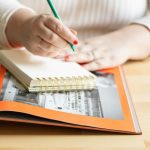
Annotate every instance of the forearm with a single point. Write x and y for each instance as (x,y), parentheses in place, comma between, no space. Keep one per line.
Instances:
(7,9)
(139,36)
(15,24)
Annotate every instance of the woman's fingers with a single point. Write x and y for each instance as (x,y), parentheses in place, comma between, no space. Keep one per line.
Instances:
(43,48)
(73,31)
(98,65)
(51,37)
(79,58)
(92,66)
(84,57)
(83,48)
(47,46)
(46,35)
(107,61)
(101,63)
(97,59)
(56,26)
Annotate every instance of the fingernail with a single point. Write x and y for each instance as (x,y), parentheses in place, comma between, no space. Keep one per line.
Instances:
(75,42)
(67,57)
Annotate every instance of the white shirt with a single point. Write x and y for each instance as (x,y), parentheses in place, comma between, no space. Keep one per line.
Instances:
(89,17)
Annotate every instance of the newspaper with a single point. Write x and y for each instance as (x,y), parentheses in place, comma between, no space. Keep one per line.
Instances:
(83,102)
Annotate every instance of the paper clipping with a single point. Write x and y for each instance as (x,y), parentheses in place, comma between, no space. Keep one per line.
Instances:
(103,101)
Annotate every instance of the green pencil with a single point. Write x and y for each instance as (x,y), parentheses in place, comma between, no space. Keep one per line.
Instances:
(58,17)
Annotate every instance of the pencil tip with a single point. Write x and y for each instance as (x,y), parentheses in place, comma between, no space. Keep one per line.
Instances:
(73,47)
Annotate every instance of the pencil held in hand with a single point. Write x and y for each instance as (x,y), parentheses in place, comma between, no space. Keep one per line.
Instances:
(74,41)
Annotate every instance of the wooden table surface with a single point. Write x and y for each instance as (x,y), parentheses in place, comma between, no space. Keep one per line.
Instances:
(23,136)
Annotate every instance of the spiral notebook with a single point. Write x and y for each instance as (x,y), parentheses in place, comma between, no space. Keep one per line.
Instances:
(40,74)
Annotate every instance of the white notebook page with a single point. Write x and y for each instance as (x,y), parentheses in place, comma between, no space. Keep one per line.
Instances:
(42,67)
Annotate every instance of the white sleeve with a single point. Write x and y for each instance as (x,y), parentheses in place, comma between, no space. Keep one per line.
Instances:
(145,21)
(7,8)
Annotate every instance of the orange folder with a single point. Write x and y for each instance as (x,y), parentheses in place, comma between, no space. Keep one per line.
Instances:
(21,112)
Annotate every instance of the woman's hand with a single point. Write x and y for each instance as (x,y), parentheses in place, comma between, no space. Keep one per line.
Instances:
(42,35)
(110,50)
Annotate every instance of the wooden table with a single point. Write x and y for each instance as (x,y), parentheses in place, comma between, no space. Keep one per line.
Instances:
(21,136)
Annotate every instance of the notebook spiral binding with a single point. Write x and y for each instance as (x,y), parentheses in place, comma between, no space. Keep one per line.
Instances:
(63,84)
